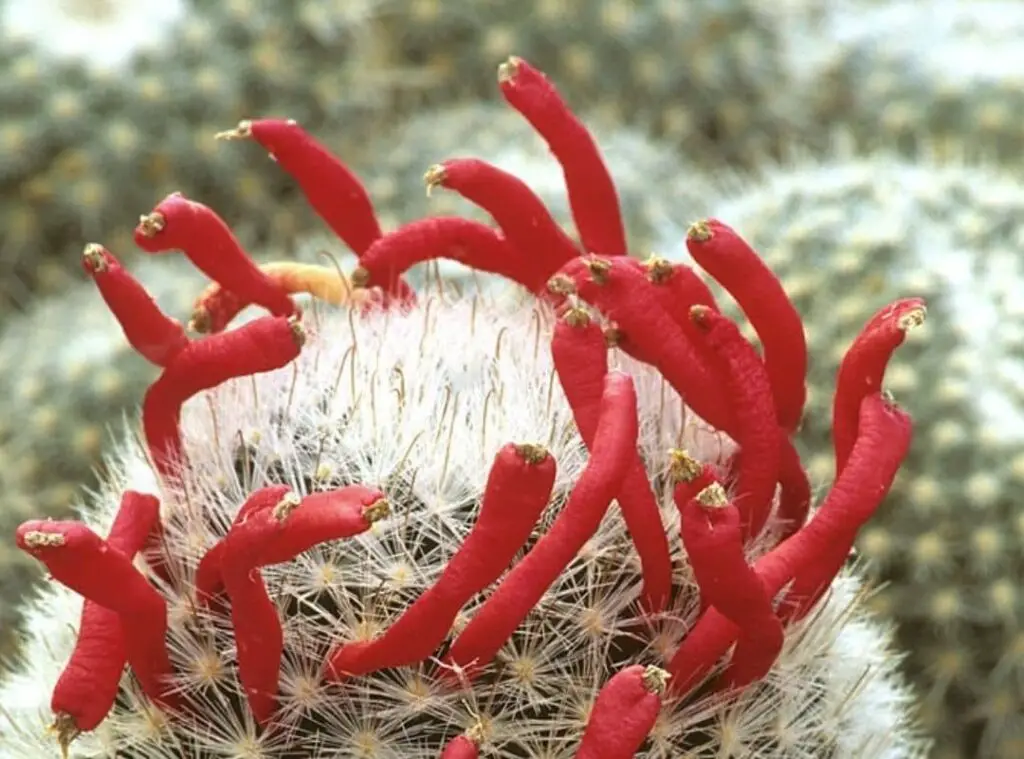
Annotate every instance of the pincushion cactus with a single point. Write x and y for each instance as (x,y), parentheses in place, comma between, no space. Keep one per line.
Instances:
(326,542)
(68,387)
(842,234)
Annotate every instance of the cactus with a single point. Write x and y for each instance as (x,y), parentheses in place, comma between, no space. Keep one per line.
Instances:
(386,462)
(433,488)
(921,76)
(69,386)
(845,235)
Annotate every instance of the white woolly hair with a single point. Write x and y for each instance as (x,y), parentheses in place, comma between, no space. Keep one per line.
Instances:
(419,404)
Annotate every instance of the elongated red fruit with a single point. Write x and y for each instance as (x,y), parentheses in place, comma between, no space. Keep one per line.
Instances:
(817,551)
(863,367)
(525,221)
(794,490)
(649,333)
(334,192)
(816,554)
(713,537)
(260,346)
(177,223)
(592,195)
(208,581)
(623,714)
(581,362)
(469,242)
(494,622)
(87,687)
(259,638)
(154,335)
(518,489)
(727,257)
(757,430)
(81,560)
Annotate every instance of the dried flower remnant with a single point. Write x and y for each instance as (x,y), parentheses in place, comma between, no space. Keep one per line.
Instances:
(337,570)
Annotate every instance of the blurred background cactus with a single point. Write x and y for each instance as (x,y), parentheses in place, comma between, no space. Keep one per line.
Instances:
(927,94)
(932,77)
(85,148)
(702,75)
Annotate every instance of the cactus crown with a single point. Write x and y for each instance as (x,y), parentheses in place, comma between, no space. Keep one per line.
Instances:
(432,527)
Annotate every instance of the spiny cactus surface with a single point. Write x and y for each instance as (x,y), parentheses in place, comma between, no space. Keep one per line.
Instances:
(432,451)
(948,544)
(391,531)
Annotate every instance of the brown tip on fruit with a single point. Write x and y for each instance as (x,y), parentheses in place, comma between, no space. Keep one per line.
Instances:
(377,510)
(561,284)
(40,539)
(532,453)
(298,331)
(200,321)
(598,268)
(151,224)
(655,680)
(683,467)
(241,132)
(509,70)
(913,318)
(576,316)
(699,231)
(360,277)
(67,731)
(713,497)
(94,259)
(435,176)
(658,269)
